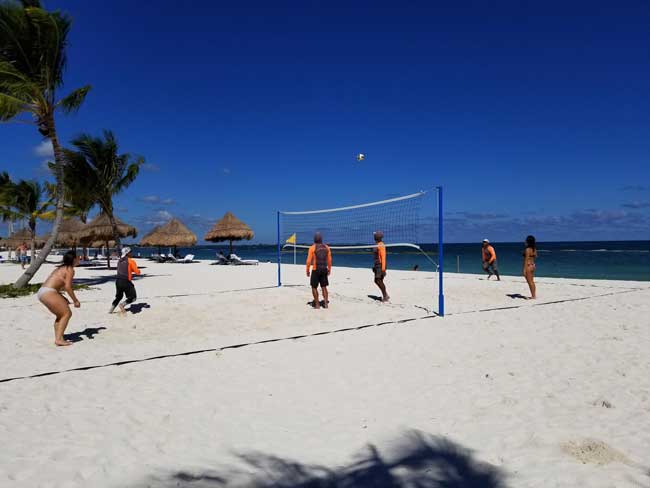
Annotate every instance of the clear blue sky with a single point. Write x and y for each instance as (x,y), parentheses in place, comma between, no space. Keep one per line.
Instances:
(535,116)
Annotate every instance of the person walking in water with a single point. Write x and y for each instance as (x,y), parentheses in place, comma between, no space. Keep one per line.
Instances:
(50,295)
(530,254)
(319,259)
(489,257)
(124,282)
(379,266)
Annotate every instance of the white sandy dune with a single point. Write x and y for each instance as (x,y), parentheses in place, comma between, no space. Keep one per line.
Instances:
(501,392)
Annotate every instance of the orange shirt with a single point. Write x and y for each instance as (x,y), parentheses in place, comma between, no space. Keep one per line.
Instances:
(311,257)
(489,254)
(380,254)
(133,268)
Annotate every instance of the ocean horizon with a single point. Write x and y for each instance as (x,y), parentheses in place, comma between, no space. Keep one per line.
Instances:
(611,260)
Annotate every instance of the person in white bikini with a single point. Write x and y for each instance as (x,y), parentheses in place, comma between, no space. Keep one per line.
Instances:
(50,295)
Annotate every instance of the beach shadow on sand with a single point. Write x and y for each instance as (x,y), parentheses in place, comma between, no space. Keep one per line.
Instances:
(516,295)
(88,333)
(416,460)
(137,307)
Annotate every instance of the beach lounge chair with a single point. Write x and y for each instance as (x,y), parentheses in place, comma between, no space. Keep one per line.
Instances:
(234,259)
(221,259)
(171,258)
(189,258)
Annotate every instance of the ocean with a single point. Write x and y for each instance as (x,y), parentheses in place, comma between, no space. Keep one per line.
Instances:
(612,260)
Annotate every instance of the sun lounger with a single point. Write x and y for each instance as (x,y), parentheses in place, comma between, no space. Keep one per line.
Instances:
(236,260)
(189,258)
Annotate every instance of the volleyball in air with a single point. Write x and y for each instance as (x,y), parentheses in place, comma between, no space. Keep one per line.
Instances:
(361,157)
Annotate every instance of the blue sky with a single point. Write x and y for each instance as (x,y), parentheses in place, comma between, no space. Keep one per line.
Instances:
(533,115)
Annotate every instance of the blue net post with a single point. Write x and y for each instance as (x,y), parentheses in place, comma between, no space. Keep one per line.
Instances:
(279,251)
(441,295)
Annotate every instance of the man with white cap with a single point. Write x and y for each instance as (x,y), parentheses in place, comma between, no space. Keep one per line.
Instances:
(124,283)
(489,257)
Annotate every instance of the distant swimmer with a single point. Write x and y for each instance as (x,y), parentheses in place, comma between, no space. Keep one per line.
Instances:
(124,282)
(50,295)
(319,259)
(489,257)
(530,253)
(379,265)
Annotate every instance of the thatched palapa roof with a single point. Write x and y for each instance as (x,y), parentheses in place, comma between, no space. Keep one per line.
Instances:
(229,228)
(70,232)
(173,233)
(100,229)
(18,237)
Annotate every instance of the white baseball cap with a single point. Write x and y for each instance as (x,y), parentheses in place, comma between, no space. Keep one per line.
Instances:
(125,251)
(485,240)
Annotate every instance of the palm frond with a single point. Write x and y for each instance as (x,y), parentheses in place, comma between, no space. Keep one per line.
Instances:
(73,100)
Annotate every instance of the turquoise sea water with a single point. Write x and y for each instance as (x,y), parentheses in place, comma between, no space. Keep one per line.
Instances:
(614,260)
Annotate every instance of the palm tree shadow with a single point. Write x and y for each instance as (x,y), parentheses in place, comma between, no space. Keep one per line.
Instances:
(419,460)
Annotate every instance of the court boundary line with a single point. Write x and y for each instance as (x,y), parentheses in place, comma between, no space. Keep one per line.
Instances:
(302,336)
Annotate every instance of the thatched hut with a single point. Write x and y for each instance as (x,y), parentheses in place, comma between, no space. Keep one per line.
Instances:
(17,238)
(172,234)
(70,233)
(229,228)
(100,229)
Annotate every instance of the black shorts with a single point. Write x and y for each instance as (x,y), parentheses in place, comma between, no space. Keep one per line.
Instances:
(319,277)
(379,274)
(493,265)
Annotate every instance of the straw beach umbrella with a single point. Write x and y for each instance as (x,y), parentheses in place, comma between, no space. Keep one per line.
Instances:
(70,233)
(229,228)
(173,234)
(100,229)
(18,237)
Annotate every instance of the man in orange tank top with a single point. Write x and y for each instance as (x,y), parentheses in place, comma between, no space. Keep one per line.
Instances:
(379,266)
(319,259)
(489,258)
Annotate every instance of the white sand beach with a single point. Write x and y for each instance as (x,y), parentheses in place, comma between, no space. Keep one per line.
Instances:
(501,392)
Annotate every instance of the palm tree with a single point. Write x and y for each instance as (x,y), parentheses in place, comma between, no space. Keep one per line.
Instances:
(27,203)
(96,166)
(6,185)
(32,60)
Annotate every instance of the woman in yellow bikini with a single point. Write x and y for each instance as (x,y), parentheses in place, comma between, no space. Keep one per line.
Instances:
(530,253)
(50,295)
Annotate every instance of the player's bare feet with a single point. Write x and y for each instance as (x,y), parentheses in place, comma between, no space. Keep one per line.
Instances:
(122,309)
(62,342)
(385,299)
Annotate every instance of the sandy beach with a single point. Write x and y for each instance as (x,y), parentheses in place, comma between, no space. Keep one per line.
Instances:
(219,378)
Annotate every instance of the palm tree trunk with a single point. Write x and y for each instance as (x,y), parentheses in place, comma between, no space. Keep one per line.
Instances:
(58,174)
(108,255)
(116,235)
(32,231)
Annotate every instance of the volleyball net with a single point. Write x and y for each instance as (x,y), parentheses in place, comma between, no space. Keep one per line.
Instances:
(410,223)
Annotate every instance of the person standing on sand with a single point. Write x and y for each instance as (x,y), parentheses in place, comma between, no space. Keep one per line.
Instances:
(489,258)
(379,266)
(319,258)
(530,253)
(50,295)
(124,282)
(21,254)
